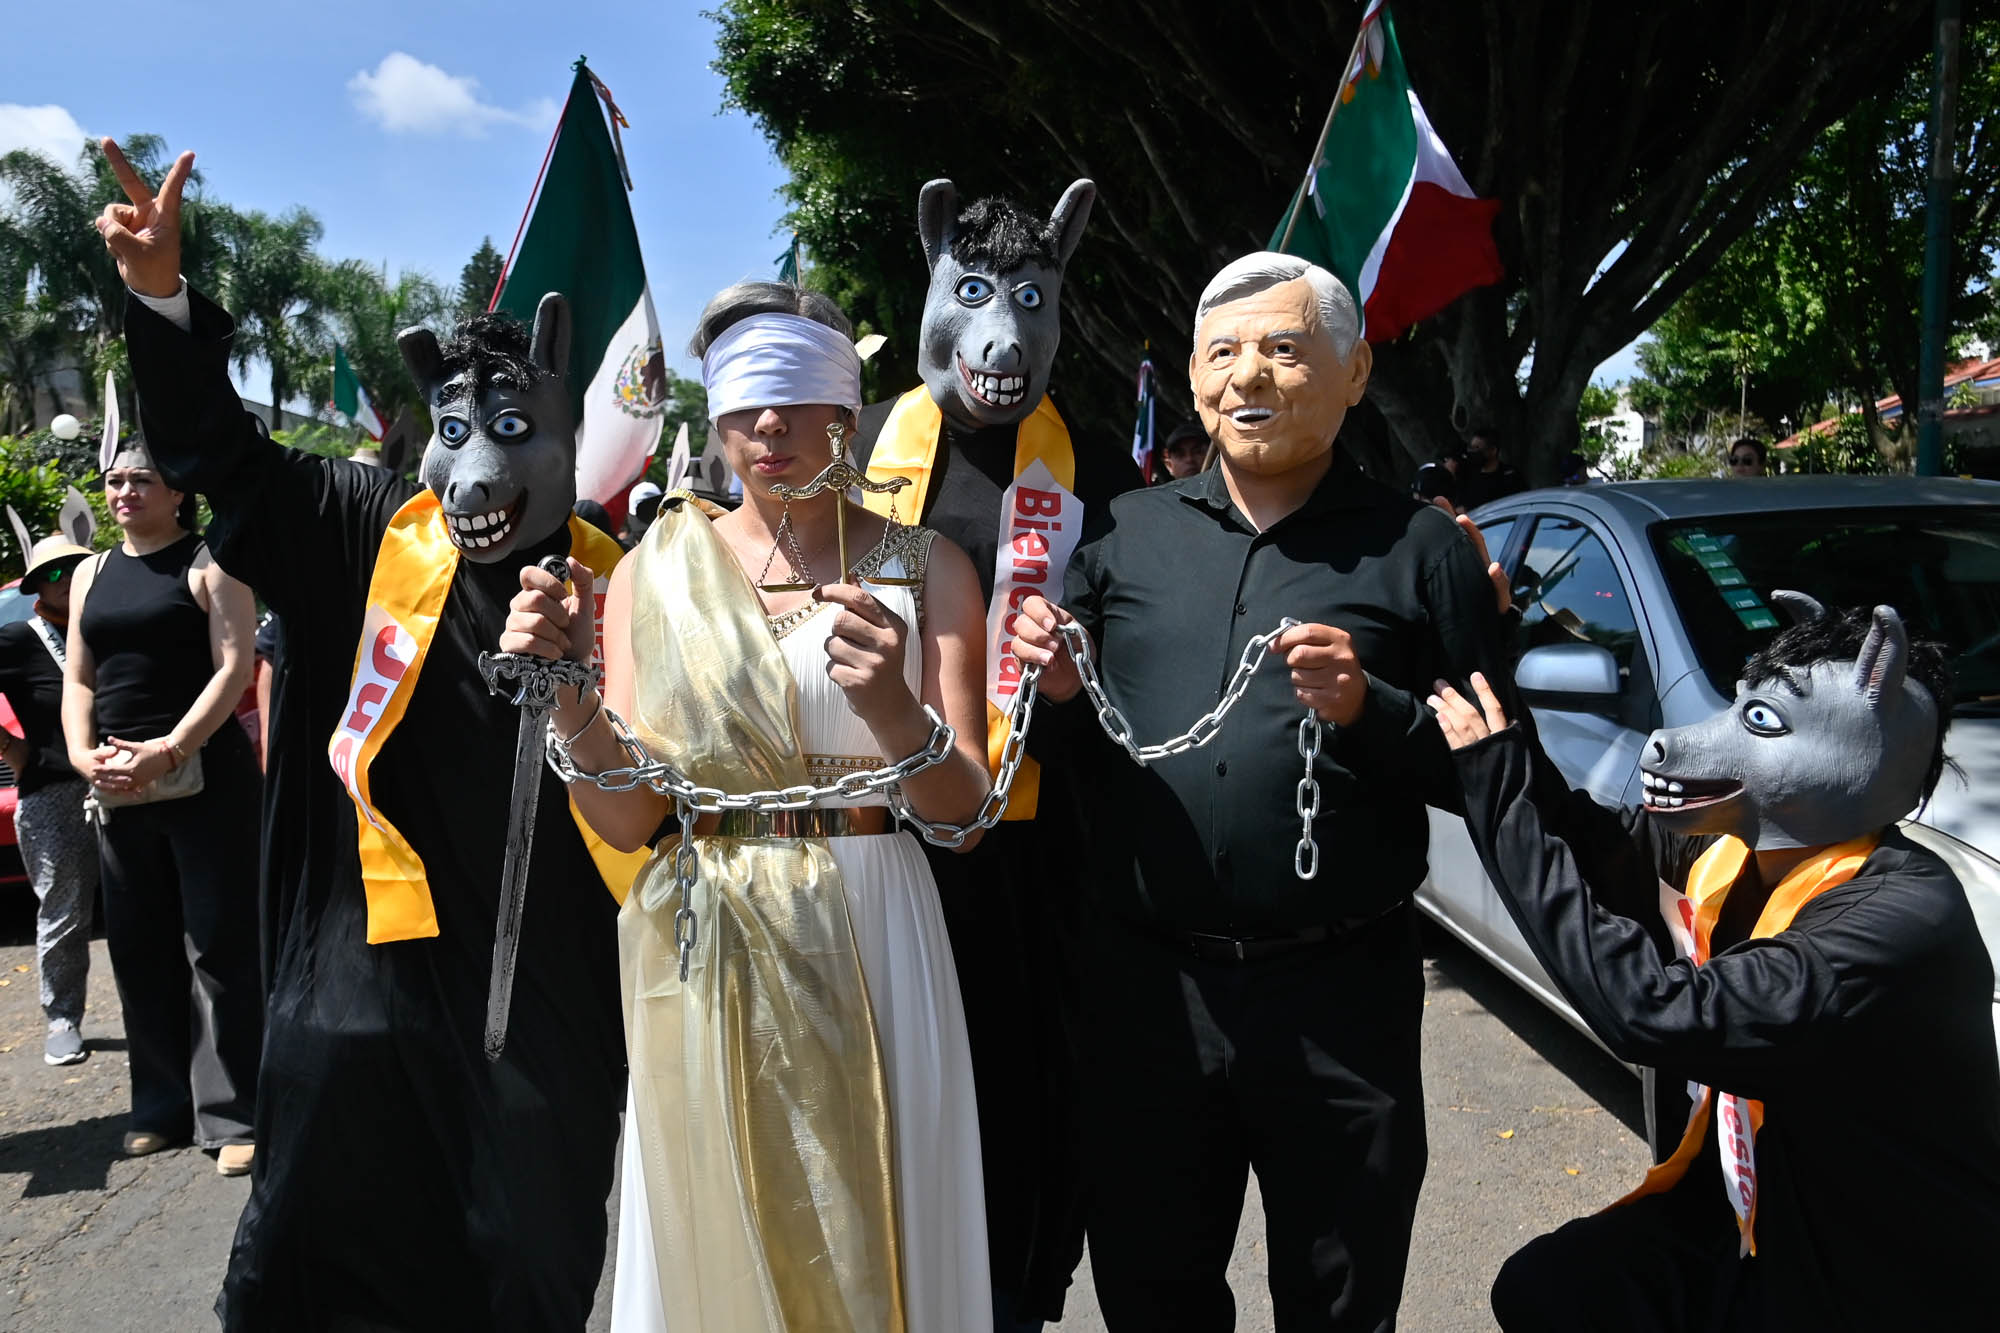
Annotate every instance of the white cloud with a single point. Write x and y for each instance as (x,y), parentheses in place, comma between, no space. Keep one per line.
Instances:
(49,130)
(404,95)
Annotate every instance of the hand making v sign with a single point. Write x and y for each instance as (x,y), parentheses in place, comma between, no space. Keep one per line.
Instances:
(144,236)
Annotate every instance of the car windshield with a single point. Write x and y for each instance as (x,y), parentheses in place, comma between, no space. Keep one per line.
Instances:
(1939,567)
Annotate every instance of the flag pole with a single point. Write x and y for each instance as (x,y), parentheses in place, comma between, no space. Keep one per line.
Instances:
(1361,36)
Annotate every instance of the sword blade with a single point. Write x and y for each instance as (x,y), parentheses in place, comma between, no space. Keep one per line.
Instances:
(521,806)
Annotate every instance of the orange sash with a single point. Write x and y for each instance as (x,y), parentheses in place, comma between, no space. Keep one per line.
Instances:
(907,447)
(406,597)
(1740,1118)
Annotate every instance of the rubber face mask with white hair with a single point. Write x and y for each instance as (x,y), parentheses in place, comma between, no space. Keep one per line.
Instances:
(1271,380)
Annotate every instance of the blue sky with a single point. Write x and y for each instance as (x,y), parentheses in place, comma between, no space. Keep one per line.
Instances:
(415,129)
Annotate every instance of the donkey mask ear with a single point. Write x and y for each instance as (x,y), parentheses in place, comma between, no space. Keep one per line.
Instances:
(1066,223)
(550,340)
(1797,606)
(424,359)
(937,218)
(1885,654)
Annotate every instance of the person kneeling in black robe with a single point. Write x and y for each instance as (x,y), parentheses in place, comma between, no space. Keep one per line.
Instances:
(1830,1007)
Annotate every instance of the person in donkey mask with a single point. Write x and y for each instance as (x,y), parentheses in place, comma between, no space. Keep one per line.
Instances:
(1761,931)
(405,1180)
(993,467)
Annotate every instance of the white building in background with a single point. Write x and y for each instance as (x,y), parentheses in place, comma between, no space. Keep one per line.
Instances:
(1624,431)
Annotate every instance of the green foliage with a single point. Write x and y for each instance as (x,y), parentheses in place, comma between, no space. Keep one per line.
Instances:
(478,279)
(1819,300)
(1847,449)
(687,402)
(1593,439)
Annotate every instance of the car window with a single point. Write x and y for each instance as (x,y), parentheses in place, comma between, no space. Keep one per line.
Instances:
(1938,566)
(1569,591)
(1497,532)
(15,605)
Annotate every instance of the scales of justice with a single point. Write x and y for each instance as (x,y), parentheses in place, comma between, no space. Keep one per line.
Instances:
(838,476)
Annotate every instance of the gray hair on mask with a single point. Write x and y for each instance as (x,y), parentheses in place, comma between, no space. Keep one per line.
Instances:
(1254,273)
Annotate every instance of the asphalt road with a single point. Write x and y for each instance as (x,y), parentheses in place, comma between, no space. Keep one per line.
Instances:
(1529,1125)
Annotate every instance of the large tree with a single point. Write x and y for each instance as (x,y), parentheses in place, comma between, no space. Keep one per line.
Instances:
(1630,148)
(479,279)
(1821,300)
(279,289)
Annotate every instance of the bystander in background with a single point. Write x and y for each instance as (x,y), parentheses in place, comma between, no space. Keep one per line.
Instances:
(57,848)
(160,650)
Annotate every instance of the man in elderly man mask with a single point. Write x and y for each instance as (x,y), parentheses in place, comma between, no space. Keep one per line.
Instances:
(1236,1014)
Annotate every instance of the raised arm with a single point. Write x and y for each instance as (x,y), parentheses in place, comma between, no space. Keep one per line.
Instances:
(280,515)
(1747,1019)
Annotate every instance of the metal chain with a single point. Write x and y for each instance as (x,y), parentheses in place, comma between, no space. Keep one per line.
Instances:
(1119,729)
(1305,857)
(664,778)
(691,798)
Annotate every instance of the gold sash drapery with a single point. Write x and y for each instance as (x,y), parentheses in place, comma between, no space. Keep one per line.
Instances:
(761,1103)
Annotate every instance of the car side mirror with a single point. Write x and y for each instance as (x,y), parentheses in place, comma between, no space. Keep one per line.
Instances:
(1576,676)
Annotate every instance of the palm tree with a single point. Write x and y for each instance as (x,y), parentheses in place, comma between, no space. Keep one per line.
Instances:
(62,295)
(369,311)
(278,289)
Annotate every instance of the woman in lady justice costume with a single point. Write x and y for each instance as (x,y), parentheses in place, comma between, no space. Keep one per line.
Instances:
(802,1145)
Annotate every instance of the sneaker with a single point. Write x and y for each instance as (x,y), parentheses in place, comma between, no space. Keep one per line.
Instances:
(64,1045)
(233,1159)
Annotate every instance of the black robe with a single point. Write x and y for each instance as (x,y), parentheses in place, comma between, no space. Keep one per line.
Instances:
(1866,1029)
(1011,906)
(400,1178)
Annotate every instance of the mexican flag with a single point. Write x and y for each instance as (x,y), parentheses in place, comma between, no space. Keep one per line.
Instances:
(350,398)
(1142,424)
(1384,206)
(581,242)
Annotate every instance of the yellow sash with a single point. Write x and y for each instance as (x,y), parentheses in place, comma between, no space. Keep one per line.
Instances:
(406,597)
(907,447)
(1708,885)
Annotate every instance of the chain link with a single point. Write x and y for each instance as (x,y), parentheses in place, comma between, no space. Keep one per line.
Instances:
(691,798)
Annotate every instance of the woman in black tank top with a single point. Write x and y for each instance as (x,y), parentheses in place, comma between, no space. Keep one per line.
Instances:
(160,653)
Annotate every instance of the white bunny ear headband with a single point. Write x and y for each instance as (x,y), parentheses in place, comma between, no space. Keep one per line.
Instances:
(108,448)
(75,520)
(21,536)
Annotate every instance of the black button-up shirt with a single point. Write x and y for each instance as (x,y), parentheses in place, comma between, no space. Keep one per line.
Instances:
(1172,583)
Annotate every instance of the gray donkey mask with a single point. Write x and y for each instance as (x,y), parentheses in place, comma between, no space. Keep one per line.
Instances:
(1807,755)
(502,456)
(992,315)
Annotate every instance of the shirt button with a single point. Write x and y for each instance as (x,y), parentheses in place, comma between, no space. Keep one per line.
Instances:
(1222,768)
(1242,610)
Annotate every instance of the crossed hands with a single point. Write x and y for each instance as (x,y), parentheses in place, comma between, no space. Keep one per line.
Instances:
(144,234)
(123,766)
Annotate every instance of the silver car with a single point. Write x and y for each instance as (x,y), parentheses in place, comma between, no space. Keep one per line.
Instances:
(1640,602)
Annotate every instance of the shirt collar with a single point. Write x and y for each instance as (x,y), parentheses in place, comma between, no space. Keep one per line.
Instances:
(1343,487)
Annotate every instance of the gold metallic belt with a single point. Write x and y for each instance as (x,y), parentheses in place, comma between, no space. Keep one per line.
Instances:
(815,822)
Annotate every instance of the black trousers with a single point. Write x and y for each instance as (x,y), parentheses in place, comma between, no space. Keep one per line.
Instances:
(180,916)
(1303,1067)
(1667,1263)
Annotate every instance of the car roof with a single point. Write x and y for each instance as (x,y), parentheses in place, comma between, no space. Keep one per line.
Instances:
(1641,503)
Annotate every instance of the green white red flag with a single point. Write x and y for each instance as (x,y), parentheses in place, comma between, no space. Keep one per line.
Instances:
(1384,206)
(351,399)
(581,241)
